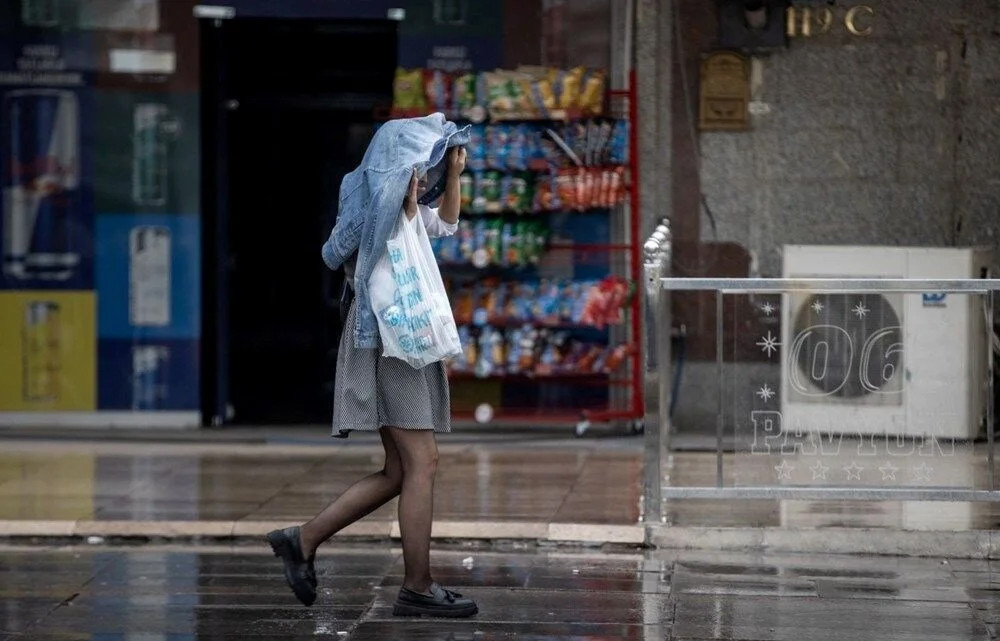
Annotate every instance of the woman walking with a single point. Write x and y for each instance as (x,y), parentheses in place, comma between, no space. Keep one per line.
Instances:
(410,162)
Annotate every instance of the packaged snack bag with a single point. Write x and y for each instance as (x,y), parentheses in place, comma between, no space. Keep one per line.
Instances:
(465,182)
(493,242)
(516,196)
(618,185)
(489,191)
(590,356)
(569,97)
(605,195)
(592,95)
(566,188)
(619,143)
(514,348)
(437,89)
(467,360)
(468,235)
(519,90)
(529,350)
(498,346)
(501,93)
(589,188)
(543,97)
(408,91)
(464,93)
(449,248)
(497,304)
(462,305)
(567,299)
(478,198)
(535,243)
(476,151)
(602,357)
(580,296)
(508,250)
(496,146)
(534,152)
(574,354)
(616,358)
(517,148)
(485,365)
(604,144)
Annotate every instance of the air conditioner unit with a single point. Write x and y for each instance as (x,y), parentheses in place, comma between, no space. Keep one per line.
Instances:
(868,363)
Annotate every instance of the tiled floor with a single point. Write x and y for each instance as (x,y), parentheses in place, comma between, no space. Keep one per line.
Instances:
(185,593)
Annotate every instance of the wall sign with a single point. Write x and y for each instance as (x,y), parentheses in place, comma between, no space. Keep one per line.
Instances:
(808,21)
(725,92)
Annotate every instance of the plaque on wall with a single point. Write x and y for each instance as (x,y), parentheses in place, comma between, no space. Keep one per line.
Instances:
(725,92)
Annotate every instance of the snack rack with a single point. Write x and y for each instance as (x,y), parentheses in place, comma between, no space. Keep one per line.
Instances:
(576,397)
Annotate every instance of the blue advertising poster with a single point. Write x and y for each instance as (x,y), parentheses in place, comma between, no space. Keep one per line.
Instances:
(148,281)
(147,375)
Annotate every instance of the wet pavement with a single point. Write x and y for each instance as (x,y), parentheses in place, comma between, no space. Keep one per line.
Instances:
(524,592)
(524,486)
(513,489)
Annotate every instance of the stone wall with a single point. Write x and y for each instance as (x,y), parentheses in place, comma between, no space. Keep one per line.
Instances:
(888,139)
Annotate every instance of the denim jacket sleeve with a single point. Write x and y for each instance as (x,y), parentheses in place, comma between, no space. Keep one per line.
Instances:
(346,235)
(343,241)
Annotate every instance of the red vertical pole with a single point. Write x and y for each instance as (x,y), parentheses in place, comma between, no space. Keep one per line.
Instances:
(639,402)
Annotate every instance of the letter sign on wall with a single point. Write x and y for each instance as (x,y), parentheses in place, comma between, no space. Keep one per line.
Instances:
(809,21)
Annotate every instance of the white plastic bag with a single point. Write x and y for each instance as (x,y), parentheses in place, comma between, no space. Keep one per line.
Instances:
(409,299)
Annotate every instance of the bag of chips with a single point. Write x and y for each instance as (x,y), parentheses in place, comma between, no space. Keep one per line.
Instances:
(408,91)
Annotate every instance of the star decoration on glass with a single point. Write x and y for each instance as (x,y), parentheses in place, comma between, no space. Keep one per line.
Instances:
(784,470)
(922,472)
(860,310)
(888,471)
(768,309)
(817,306)
(853,471)
(765,393)
(819,471)
(768,344)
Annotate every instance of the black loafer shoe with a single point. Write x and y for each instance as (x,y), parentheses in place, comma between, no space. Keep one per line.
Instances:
(299,571)
(439,603)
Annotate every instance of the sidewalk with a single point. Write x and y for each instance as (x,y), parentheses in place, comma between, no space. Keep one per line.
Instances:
(194,592)
(542,488)
(534,486)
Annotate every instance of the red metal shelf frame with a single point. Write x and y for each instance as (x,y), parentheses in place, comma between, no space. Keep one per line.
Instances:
(636,411)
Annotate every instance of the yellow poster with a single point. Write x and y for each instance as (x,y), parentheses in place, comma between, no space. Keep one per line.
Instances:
(48,345)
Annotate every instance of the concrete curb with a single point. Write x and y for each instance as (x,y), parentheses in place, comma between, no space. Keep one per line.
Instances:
(971,544)
(561,532)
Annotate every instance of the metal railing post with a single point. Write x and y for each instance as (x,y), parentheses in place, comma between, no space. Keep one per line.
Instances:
(657,252)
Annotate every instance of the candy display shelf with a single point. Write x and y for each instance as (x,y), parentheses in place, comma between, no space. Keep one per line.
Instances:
(592,239)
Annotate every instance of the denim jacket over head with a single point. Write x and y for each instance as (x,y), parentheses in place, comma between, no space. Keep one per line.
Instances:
(371,200)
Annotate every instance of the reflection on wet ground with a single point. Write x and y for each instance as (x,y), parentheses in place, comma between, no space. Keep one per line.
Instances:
(546,482)
(181,593)
(167,482)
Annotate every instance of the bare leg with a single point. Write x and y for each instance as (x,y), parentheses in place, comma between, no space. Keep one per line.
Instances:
(359,500)
(418,454)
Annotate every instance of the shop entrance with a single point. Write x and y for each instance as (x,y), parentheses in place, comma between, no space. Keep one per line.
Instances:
(288,109)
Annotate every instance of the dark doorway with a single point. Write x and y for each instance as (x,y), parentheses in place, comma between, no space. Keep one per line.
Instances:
(288,108)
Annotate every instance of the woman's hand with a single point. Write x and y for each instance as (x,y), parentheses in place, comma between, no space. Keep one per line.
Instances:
(456,162)
(410,202)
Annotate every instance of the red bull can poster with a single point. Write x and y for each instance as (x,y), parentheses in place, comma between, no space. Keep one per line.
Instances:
(46,212)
